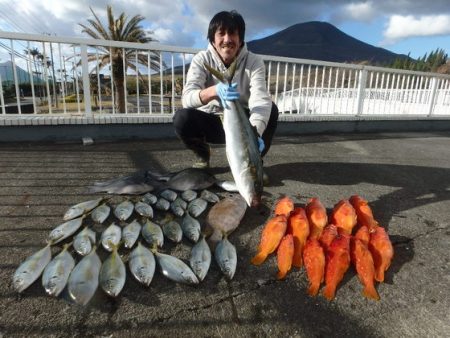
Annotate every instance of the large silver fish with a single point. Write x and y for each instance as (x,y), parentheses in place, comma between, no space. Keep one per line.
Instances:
(142,264)
(56,273)
(83,280)
(226,257)
(81,208)
(31,269)
(131,233)
(64,230)
(241,146)
(175,269)
(84,241)
(200,258)
(112,274)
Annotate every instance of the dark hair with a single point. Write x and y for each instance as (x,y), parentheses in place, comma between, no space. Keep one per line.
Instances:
(229,21)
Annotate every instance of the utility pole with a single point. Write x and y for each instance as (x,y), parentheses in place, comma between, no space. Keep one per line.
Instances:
(55,95)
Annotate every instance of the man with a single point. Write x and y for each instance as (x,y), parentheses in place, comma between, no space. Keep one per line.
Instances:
(204,97)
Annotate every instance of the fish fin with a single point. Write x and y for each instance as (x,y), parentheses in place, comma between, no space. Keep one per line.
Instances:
(379,275)
(329,293)
(259,258)
(281,275)
(313,290)
(66,246)
(215,72)
(371,293)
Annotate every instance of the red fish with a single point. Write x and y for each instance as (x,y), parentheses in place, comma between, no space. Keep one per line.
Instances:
(284,206)
(363,263)
(337,263)
(382,252)
(363,212)
(363,234)
(285,253)
(314,260)
(317,216)
(344,216)
(329,233)
(271,236)
(298,226)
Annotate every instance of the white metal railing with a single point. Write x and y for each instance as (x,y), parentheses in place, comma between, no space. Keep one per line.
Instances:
(54,76)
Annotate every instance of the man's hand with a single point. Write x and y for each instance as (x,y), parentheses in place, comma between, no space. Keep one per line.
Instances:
(227,93)
(261,144)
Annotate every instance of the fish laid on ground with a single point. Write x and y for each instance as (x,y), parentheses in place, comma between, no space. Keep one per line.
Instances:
(189,195)
(317,217)
(149,198)
(175,269)
(56,273)
(200,258)
(178,206)
(241,146)
(172,230)
(298,226)
(162,204)
(363,234)
(142,264)
(363,262)
(31,269)
(84,241)
(144,209)
(337,263)
(65,230)
(130,234)
(112,274)
(328,235)
(209,196)
(124,210)
(191,228)
(314,261)
(271,236)
(135,184)
(197,206)
(226,257)
(224,217)
(190,179)
(153,234)
(83,280)
(81,208)
(284,206)
(111,236)
(363,212)
(344,216)
(285,253)
(382,252)
(101,213)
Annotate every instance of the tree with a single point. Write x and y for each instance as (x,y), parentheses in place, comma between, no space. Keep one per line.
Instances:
(120,30)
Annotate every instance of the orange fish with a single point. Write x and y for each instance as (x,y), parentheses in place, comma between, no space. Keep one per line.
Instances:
(298,226)
(285,253)
(363,263)
(363,234)
(329,233)
(363,212)
(314,260)
(317,216)
(284,206)
(344,216)
(337,263)
(271,236)
(382,252)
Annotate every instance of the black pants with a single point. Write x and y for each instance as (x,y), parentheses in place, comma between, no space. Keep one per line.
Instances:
(196,128)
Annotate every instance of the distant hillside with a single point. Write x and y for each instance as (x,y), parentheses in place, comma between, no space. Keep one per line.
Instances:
(320,41)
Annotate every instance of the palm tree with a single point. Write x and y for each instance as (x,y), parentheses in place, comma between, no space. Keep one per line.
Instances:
(120,30)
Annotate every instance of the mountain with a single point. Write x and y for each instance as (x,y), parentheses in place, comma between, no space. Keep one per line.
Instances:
(317,40)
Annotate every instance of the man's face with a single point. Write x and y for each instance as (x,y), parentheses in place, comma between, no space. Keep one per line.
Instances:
(227,45)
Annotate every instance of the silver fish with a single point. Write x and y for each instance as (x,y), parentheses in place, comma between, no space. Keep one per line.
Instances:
(153,234)
(56,273)
(131,233)
(209,196)
(175,269)
(162,204)
(83,241)
(142,264)
(200,258)
(134,184)
(65,230)
(191,227)
(189,195)
(149,198)
(101,213)
(178,206)
(241,146)
(172,230)
(168,194)
(144,209)
(226,257)
(111,236)
(81,208)
(112,274)
(197,206)
(83,280)
(124,210)
(31,269)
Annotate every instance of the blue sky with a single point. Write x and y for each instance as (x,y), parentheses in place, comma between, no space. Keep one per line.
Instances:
(401,26)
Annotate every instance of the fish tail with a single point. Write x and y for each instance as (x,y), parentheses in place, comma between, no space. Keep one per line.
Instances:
(259,258)
(379,275)
(329,292)
(297,260)
(281,274)
(371,293)
(313,289)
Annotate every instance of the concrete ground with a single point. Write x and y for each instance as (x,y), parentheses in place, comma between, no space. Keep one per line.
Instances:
(404,176)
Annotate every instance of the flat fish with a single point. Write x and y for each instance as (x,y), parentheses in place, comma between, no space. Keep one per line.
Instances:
(200,258)
(131,233)
(162,204)
(142,264)
(178,206)
(134,184)
(111,236)
(175,269)
(153,234)
(31,269)
(197,206)
(112,274)
(124,210)
(144,209)
(169,195)
(189,195)
(81,208)
(84,241)
(56,273)
(101,213)
(65,230)
(172,230)
(209,196)
(191,227)
(83,280)
(190,179)
(149,198)
(226,257)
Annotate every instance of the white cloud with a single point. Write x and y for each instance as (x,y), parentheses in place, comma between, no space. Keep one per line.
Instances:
(364,11)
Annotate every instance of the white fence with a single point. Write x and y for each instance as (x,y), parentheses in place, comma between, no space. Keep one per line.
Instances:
(54,76)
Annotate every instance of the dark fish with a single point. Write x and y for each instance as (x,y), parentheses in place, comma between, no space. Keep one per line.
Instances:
(134,184)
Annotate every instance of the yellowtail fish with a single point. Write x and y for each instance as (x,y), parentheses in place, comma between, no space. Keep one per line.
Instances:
(112,273)
(56,273)
(175,269)
(142,264)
